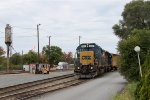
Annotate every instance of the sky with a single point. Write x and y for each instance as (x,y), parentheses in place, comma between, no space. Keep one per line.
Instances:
(63,20)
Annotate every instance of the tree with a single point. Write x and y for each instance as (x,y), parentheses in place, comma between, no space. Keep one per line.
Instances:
(67,57)
(43,58)
(133,30)
(30,57)
(2,52)
(128,57)
(55,54)
(136,15)
(143,88)
(16,59)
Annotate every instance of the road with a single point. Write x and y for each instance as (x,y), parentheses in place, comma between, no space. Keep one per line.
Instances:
(102,88)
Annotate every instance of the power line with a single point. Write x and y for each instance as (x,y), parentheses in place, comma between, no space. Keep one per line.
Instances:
(26,28)
(18,33)
(2,32)
(26,36)
(13,49)
(22,36)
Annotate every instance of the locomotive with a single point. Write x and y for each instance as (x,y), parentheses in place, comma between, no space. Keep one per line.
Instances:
(91,60)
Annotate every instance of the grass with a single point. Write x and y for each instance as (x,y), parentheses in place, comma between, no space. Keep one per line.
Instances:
(127,93)
(12,67)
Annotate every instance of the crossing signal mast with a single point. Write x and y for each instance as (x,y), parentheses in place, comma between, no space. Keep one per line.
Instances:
(8,41)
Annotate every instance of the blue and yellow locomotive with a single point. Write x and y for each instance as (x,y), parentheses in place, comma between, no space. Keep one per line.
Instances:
(91,60)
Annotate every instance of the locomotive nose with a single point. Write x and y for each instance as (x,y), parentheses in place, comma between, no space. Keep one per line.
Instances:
(87,58)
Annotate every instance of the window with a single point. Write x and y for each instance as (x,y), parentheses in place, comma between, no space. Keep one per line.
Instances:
(91,45)
(83,46)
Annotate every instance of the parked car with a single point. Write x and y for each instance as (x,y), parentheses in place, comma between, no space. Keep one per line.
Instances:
(62,65)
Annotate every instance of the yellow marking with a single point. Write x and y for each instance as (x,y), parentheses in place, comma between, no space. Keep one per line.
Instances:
(115,60)
(87,57)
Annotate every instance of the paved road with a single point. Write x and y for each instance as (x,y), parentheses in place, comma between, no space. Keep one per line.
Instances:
(103,88)
(14,79)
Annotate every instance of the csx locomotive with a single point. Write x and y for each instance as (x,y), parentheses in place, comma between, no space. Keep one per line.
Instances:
(91,60)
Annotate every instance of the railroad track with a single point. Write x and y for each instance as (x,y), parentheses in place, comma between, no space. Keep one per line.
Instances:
(31,89)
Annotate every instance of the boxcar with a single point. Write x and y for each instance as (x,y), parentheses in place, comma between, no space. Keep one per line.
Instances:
(114,61)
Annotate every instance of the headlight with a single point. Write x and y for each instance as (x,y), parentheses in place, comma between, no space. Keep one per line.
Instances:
(78,67)
(91,67)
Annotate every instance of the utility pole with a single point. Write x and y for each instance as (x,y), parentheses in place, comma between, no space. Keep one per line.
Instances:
(22,59)
(38,61)
(49,49)
(8,57)
(79,39)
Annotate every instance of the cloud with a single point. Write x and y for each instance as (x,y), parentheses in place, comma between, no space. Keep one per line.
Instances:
(64,20)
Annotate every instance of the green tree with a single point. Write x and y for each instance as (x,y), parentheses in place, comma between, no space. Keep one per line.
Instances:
(143,88)
(136,15)
(128,57)
(42,58)
(55,54)
(30,57)
(16,59)
(133,30)
(2,52)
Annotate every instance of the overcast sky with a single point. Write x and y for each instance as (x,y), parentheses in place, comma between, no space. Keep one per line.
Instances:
(63,20)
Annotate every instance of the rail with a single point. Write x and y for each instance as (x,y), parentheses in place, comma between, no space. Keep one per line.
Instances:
(30,89)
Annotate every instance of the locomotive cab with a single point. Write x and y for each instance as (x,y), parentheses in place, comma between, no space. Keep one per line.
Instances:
(86,62)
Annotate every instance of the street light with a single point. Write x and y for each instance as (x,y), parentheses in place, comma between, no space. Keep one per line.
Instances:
(137,49)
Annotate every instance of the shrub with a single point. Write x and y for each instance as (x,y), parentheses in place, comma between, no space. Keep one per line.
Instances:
(143,88)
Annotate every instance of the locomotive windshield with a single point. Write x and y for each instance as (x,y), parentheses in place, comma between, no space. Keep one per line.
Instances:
(86,47)
(91,45)
(83,46)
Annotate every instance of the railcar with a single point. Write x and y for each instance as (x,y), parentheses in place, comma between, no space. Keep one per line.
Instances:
(91,60)
(114,61)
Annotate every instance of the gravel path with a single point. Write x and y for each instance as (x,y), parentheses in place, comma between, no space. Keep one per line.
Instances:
(14,79)
(103,88)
